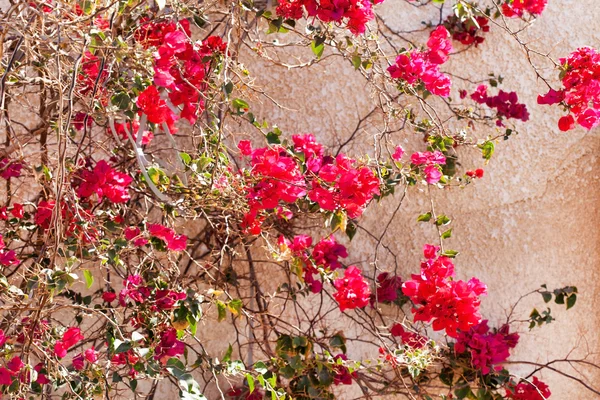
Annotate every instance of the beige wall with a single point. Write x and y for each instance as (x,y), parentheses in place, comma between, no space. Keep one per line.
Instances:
(533,219)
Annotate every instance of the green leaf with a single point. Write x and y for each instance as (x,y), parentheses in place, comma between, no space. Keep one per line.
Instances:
(222,310)
(121,100)
(185,157)
(89,279)
(487,149)
(442,220)
(227,355)
(240,105)
(116,377)
(250,380)
(123,347)
(154,175)
(450,253)
(547,296)
(356,61)
(424,217)
(447,234)
(463,392)
(339,342)
(571,300)
(228,87)
(351,229)
(235,306)
(316,48)
(261,368)
(273,138)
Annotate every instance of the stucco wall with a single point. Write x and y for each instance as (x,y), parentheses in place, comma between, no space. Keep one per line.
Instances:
(533,219)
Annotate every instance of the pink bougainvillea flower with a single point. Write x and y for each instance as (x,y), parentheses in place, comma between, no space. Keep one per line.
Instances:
(342,375)
(580,76)
(478,173)
(18,211)
(173,241)
(352,290)
(487,349)
(408,338)
(78,362)
(354,13)
(169,346)
(245,147)
(109,297)
(327,253)
(453,305)
(517,8)
(15,364)
(91,355)
(167,299)
(10,169)
(423,66)
(398,153)
(6,376)
(388,287)
(70,338)
(104,181)
(536,390)
(506,104)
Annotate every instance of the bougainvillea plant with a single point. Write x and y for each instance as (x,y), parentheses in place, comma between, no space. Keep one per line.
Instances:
(158,229)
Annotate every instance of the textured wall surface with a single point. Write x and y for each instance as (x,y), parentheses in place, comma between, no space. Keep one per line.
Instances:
(533,219)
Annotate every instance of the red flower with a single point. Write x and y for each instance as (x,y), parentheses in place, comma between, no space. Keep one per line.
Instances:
(169,346)
(109,297)
(344,186)
(5,376)
(18,211)
(388,287)
(487,349)
(10,169)
(516,8)
(70,338)
(172,240)
(478,173)
(398,153)
(245,147)
(155,108)
(166,299)
(352,290)
(536,390)
(581,93)
(15,364)
(342,374)
(355,13)
(566,123)
(78,363)
(452,304)
(327,253)
(408,338)
(104,181)
(423,66)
